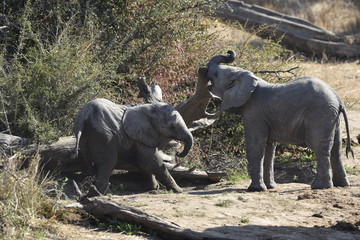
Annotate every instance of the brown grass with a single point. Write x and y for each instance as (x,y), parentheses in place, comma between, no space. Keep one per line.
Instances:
(339,16)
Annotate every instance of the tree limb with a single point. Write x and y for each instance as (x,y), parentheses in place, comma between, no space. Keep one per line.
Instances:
(277,71)
(105,208)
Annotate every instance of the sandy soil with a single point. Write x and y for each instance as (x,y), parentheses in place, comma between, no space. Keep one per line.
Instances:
(292,211)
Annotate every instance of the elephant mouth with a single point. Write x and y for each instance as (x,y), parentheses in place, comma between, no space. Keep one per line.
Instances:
(210,90)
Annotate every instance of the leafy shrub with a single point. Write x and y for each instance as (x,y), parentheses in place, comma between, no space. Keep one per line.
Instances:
(57,57)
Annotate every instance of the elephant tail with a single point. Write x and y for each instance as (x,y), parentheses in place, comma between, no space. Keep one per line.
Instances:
(75,152)
(78,129)
(348,141)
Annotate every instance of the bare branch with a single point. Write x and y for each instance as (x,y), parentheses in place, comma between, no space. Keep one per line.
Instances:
(277,71)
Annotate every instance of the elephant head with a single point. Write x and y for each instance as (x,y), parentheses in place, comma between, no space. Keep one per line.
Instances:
(233,85)
(156,124)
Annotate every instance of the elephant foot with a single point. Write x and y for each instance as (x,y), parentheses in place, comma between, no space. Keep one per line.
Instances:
(270,185)
(256,187)
(154,184)
(344,182)
(321,184)
(102,187)
(177,189)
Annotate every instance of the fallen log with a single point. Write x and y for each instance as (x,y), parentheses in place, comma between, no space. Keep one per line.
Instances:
(104,208)
(296,33)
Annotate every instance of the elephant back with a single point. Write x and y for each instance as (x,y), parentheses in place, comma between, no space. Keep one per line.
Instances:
(105,116)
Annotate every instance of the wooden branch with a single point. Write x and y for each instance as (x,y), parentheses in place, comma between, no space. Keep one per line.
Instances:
(104,209)
(296,33)
(194,108)
(277,71)
(149,93)
(11,142)
(178,171)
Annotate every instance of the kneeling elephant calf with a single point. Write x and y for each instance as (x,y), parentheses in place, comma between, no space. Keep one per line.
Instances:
(304,111)
(109,134)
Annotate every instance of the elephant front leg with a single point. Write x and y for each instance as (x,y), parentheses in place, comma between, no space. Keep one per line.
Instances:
(151,162)
(151,181)
(269,165)
(255,156)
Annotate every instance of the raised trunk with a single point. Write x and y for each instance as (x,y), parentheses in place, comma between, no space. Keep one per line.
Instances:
(222,59)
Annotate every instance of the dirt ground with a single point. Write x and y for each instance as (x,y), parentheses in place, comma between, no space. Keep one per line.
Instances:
(291,211)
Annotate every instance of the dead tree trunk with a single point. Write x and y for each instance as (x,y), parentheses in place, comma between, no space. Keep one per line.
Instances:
(192,110)
(296,33)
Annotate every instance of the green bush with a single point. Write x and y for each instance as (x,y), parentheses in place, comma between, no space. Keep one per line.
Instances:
(55,57)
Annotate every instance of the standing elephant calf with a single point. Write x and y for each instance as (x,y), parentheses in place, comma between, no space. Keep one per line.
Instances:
(304,111)
(109,134)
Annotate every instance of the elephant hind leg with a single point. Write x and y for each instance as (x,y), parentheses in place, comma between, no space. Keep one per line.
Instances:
(323,177)
(103,174)
(339,174)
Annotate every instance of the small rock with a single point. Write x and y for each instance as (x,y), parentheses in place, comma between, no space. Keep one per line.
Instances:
(336,205)
(318,215)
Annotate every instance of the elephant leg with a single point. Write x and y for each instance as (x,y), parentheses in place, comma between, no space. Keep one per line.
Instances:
(255,151)
(103,174)
(339,174)
(269,165)
(323,177)
(151,181)
(151,162)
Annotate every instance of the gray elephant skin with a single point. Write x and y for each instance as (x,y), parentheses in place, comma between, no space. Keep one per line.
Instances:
(109,134)
(305,111)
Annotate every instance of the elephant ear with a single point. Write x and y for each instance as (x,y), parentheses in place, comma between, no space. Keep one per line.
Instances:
(138,126)
(238,90)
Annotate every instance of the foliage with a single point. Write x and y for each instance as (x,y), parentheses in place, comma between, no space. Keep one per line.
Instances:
(54,57)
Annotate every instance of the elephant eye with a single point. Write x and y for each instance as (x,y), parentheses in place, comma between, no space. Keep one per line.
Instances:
(230,84)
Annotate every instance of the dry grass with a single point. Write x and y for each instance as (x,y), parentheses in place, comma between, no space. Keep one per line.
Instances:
(338,16)
(24,204)
(343,77)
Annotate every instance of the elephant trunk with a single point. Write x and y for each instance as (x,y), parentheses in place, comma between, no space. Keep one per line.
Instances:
(222,58)
(188,142)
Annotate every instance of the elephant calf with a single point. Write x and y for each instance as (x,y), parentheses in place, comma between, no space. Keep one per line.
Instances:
(304,111)
(109,134)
